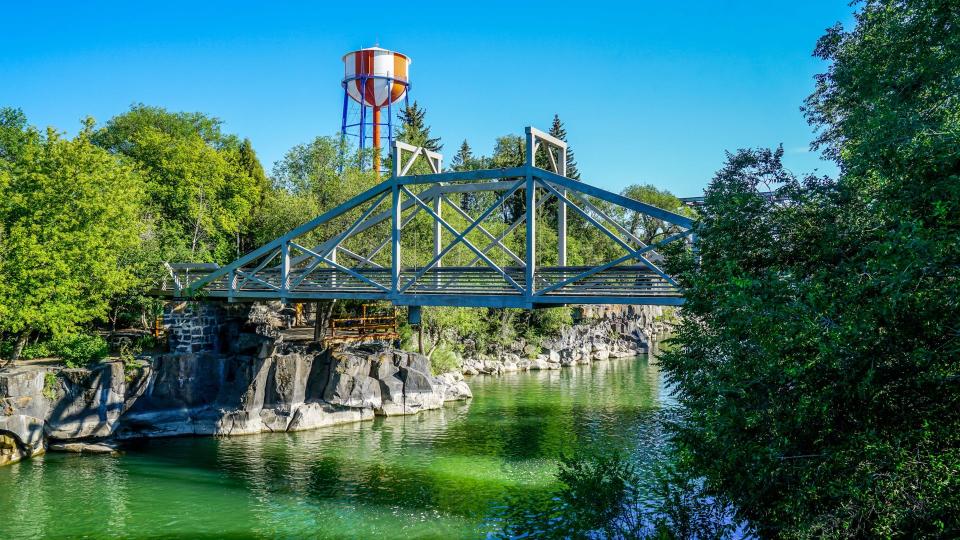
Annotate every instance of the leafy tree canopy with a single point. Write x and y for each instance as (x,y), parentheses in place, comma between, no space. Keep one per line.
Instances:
(69,211)
(818,357)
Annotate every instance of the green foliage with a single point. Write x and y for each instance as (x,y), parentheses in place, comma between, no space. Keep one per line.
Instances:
(414,129)
(40,349)
(599,497)
(202,186)
(549,321)
(69,212)
(50,385)
(596,498)
(313,178)
(444,360)
(560,132)
(818,356)
(643,226)
(80,349)
(128,355)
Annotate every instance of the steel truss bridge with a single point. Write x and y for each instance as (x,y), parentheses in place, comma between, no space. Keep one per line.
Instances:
(325,258)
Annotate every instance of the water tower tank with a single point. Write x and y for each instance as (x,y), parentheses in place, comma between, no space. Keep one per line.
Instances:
(376,77)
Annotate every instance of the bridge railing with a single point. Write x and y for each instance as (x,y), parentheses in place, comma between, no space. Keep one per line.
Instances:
(293,268)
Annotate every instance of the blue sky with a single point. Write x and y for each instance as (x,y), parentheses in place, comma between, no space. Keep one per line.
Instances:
(650,92)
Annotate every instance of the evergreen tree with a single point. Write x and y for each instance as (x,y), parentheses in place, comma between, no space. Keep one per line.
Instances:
(560,132)
(464,160)
(414,129)
(464,157)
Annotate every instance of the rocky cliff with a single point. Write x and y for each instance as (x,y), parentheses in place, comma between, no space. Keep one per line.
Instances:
(290,389)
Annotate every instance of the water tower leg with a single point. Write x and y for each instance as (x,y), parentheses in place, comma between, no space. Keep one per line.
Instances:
(376,141)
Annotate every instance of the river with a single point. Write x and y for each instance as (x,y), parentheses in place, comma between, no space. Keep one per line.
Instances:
(439,474)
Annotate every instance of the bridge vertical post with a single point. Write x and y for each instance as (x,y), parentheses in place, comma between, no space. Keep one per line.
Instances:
(437,235)
(562,213)
(232,290)
(333,258)
(395,238)
(284,269)
(530,269)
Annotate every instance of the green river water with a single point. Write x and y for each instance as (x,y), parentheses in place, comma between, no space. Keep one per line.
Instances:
(441,474)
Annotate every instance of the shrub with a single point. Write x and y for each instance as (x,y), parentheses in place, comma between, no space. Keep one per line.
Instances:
(36,350)
(50,385)
(80,349)
(444,360)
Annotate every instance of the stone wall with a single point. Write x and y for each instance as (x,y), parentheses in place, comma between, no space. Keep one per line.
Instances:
(194,326)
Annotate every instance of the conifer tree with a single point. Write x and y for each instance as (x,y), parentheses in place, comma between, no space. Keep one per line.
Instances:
(414,129)
(464,157)
(560,132)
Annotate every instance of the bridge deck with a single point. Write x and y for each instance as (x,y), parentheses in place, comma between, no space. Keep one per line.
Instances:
(459,286)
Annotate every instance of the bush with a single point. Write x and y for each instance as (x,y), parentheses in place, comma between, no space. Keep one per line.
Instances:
(444,360)
(81,349)
(40,349)
(50,385)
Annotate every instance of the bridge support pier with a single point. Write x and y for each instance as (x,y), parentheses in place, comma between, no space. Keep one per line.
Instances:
(194,326)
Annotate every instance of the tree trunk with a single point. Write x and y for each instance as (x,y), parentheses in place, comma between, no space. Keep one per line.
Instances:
(505,317)
(19,345)
(420,337)
(324,313)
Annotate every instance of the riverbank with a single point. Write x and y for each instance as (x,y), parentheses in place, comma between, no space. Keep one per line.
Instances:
(268,385)
(284,388)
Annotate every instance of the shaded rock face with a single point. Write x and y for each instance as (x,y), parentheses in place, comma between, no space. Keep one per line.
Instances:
(23,409)
(216,394)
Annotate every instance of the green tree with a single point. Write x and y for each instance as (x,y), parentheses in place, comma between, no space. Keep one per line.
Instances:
(465,160)
(202,186)
(818,357)
(646,228)
(69,211)
(414,129)
(560,132)
(317,177)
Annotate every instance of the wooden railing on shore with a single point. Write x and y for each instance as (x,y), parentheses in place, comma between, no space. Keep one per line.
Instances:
(363,328)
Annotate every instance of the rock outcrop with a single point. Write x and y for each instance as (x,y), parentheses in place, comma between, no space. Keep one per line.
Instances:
(604,332)
(214,394)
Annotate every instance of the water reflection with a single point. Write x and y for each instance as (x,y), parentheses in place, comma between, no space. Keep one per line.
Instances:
(436,474)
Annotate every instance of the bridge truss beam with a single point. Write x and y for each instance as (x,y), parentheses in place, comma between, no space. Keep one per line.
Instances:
(303,264)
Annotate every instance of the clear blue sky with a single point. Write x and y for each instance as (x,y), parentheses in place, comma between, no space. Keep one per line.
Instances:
(650,92)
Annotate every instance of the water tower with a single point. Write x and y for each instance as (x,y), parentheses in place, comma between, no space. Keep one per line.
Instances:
(373,79)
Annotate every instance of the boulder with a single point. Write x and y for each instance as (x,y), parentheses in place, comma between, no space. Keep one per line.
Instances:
(539,364)
(316,415)
(91,405)
(359,391)
(85,448)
